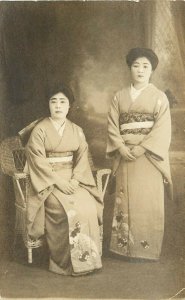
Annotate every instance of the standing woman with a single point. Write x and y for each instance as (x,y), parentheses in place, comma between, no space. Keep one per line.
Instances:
(139,134)
(64,202)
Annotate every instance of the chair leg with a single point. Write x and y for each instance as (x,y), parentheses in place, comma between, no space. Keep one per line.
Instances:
(15,234)
(30,256)
(14,245)
(101,238)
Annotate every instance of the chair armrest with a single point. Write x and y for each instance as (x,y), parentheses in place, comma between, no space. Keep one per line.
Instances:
(20,181)
(99,180)
(20,175)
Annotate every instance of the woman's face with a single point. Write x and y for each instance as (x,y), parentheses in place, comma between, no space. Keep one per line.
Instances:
(141,70)
(59,106)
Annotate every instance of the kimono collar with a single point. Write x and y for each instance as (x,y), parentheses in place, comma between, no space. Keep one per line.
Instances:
(59,128)
(134,93)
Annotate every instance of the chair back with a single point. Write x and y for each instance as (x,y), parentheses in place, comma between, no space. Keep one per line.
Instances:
(12,156)
(13,159)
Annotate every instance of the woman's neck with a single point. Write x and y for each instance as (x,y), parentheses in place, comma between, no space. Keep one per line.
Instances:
(138,85)
(59,121)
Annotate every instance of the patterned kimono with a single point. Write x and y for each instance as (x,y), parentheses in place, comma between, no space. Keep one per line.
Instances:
(138,221)
(70,222)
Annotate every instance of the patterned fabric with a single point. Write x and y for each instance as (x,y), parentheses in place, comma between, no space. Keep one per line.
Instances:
(59,160)
(85,253)
(70,222)
(138,217)
(134,117)
(122,238)
(136,131)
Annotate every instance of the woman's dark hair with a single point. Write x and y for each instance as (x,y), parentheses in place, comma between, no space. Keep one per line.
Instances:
(60,88)
(135,53)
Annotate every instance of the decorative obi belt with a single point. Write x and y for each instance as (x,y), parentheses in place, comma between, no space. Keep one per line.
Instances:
(60,159)
(136,123)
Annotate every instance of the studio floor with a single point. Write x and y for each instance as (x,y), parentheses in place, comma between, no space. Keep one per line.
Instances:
(119,279)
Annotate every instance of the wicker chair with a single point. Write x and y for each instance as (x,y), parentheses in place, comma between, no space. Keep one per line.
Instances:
(12,159)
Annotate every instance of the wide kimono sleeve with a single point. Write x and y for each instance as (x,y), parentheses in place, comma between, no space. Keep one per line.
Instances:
(39,169)
(114,140)
(157,142)
(81,170)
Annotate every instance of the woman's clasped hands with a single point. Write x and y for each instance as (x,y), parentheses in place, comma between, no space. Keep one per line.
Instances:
(68,187)
(130,154)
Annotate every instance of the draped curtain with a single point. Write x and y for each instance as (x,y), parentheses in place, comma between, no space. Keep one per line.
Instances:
(165,35)
(178,11)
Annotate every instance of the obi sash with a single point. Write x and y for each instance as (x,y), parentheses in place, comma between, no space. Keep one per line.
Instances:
(136,123)
(60,159)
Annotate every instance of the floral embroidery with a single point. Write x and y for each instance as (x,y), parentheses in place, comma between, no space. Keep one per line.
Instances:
(122,242)
(145,244)
(76,230)
(82,246)
(84,256)
(121,229)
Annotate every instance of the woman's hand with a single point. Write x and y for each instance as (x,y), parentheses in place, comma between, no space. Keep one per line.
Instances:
(65,186)
(126,153)
(137,151)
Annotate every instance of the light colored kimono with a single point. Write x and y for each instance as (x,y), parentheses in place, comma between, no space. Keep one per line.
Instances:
(70,222)
(138,221)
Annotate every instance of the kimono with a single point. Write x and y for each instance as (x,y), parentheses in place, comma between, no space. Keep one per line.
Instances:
(138,218)
(70,222)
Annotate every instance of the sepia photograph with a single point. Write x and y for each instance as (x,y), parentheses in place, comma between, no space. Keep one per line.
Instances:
(92,150)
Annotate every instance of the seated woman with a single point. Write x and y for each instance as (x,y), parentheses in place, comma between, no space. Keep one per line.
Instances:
(64,202)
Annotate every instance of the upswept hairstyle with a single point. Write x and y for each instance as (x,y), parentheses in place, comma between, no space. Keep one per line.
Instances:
(135,53)
(60,88)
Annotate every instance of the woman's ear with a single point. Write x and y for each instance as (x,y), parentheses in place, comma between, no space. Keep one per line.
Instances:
(151,73)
